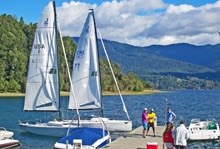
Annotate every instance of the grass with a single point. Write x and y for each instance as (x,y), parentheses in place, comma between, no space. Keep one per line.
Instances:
(105,93)
(145,92)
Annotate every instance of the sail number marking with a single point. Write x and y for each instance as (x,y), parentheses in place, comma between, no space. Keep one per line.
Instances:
(76,66)
(79,54)
(36,60)
(39,47)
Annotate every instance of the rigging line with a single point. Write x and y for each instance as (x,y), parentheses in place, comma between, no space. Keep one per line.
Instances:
(118,115)
(77,111)
(124,107)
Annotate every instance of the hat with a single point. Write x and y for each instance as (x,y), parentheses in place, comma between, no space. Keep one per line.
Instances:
(152,110)
(145,109)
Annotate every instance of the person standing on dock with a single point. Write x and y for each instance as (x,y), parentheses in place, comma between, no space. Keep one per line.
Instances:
(180,136)
(144,122)
(167,136)
(170,116)
(151,117)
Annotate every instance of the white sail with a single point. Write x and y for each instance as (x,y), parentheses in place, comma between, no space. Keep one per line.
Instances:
(85,75)
(42,88)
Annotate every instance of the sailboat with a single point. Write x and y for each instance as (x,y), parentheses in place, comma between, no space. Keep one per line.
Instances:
(42,87)
(85,138)
(85,93)
(86,80)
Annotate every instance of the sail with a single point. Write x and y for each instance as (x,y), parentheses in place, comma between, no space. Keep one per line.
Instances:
(42,87)
(85,74)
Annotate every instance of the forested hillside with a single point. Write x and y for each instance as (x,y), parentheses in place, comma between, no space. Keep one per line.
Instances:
(16,40)
(205,55)
(177,66)
(133,58)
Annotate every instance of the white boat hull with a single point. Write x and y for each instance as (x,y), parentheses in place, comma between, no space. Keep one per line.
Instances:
(45,129)
(84,138)
(204,135)
(112,125)
(10,144)
(69,146)
(6,140)
(203,130)
(59,129)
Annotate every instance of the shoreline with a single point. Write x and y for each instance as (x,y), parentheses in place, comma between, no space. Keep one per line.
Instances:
(104,93)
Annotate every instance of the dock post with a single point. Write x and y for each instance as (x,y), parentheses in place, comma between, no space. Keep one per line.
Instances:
(165,113)
(164,146)
(67,144)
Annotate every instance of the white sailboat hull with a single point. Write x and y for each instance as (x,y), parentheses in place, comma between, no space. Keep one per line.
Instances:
(112,125)
(69,146)
(46,130)
(75,139)
(59,129)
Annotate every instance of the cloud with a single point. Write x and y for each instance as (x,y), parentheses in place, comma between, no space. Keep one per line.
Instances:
(145,22)
(71,17)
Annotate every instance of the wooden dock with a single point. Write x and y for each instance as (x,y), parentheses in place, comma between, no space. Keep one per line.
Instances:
(135,140)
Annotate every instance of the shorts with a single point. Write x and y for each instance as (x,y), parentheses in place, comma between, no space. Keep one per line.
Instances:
(169,122)
(169,144)
(180,147)
(145,126)
(150,124)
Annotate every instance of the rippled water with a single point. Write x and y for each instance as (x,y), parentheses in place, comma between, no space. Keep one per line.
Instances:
(186,104)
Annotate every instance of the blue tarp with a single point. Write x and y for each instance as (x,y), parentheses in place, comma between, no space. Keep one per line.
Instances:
(88,135)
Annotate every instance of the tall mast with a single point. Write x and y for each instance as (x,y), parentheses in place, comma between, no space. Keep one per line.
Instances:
(55,18)
(102,109)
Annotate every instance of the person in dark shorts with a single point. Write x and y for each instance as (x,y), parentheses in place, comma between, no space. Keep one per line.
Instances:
(151,117)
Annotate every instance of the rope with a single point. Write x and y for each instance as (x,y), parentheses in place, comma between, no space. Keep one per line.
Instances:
(124,107)
(71,84)
(98,113)
(118,115)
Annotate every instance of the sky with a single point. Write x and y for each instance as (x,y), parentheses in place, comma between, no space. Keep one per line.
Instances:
(135,22)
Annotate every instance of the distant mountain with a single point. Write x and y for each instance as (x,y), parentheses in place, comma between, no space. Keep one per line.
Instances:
(161,59)
(207,55)
(176,66)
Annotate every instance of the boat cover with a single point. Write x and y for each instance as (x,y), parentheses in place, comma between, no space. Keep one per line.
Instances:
(88,136)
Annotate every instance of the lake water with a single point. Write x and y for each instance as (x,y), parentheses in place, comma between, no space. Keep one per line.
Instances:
(186,104)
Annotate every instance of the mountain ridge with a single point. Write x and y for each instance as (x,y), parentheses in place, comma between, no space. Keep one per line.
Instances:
(158,58)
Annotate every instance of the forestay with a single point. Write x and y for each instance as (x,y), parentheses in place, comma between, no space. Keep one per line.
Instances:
(42,88)
(85,75)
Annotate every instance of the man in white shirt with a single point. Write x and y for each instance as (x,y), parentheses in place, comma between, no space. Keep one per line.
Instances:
(180,136)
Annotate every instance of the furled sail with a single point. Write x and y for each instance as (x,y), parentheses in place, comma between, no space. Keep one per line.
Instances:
(42,88)
(85,75)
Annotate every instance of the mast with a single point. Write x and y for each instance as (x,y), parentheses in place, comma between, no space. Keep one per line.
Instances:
(55,18)
(102,109)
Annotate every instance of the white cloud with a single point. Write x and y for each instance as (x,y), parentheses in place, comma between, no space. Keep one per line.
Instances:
(72,16)
(139,22)
(180,9)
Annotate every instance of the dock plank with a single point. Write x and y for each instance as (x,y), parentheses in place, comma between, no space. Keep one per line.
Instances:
(135,139)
